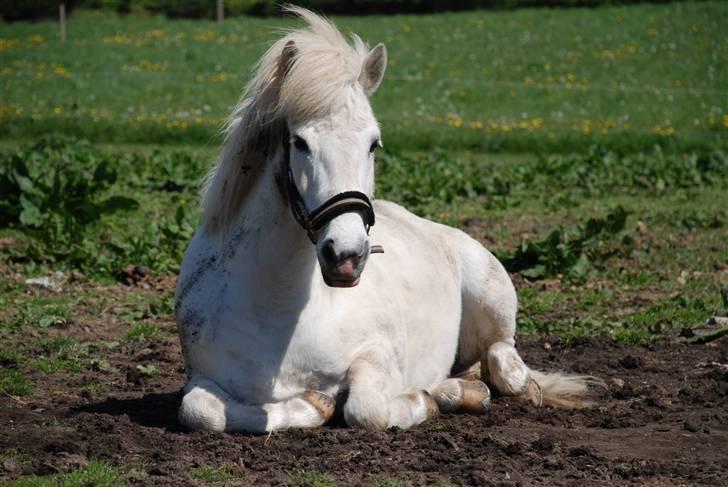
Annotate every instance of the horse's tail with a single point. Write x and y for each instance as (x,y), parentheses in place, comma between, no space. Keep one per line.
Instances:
(567,391)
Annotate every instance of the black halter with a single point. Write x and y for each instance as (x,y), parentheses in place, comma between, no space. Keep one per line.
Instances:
(314,221)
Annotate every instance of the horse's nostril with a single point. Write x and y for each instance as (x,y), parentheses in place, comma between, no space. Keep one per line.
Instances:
(327,251)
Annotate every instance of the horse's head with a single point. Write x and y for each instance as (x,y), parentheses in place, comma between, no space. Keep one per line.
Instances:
(310,92)
(330,174)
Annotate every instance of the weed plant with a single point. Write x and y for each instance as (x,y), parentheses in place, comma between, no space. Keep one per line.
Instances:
(76,206)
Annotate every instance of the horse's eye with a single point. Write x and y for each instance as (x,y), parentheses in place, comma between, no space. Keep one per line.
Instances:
(300,144)
(376,144)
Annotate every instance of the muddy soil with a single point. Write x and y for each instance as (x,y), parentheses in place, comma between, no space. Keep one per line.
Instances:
(662,421)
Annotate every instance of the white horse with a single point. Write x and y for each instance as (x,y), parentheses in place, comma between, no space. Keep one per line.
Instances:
(276,316)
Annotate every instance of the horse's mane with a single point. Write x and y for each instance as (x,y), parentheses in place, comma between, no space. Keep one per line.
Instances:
(310,83)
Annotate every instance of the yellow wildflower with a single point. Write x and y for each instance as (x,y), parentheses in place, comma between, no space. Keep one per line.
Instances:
(9,43)
(60,70)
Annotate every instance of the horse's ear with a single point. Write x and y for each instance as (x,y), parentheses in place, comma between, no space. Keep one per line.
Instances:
(372,71)
(286,59)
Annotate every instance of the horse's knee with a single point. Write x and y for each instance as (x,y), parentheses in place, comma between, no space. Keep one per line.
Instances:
(370,410)
(505,369)
(376,412)
(201,409)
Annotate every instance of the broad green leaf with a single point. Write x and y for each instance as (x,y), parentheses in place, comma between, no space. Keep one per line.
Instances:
(30,215)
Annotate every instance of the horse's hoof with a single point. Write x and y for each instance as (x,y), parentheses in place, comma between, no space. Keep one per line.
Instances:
(324,404)
(431,405)
(533,393)
(476,396)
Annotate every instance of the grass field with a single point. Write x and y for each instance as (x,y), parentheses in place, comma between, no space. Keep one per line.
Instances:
(586,148)
(526,80)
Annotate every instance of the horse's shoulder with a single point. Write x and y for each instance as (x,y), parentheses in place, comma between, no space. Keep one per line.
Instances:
(201,261)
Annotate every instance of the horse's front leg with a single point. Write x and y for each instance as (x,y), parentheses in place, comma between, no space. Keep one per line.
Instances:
(376,397)
(205,406)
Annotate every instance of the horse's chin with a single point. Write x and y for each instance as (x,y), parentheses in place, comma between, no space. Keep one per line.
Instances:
(339,282)
(343,274)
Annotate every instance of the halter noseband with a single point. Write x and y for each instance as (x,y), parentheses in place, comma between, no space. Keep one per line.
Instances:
(314,221)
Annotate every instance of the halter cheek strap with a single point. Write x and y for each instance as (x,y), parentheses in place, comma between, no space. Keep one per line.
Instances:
(313,222)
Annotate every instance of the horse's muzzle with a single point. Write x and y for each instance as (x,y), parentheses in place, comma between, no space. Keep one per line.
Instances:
(342,271)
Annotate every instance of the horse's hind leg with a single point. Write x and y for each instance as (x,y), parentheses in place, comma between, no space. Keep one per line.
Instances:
(487,336)
(205,406)
(489,325)
(505,369)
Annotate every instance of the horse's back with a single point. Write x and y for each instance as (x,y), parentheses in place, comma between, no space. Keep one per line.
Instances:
(466,258)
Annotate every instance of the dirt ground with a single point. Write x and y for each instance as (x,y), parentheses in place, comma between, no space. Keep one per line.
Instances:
(663,421)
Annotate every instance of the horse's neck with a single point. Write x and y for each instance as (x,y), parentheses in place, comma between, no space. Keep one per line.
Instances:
(276,251)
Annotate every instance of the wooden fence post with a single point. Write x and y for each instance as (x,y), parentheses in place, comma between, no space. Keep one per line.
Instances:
(220,10)
(62,19)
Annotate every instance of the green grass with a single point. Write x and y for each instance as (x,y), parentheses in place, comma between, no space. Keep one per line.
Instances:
(307,478)
(45,316)
(94,388)
(9,357)
(12,378)
(97,473)
(211,475)
(143,306)
(61,354)
(42,312)
(548,79)
(14,383)
(142,332)
(14,455)
(148,370)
